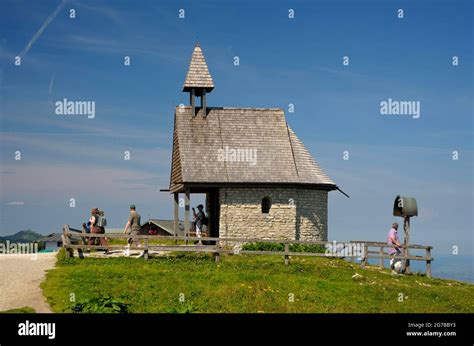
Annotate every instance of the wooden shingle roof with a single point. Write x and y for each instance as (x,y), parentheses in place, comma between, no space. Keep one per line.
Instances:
(198,75)
(168,225)
(277,155)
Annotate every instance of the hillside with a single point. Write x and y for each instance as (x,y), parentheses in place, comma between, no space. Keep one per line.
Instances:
(246,284)
(26,236)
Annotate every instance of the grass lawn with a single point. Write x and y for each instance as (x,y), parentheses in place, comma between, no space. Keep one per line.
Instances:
(249,284)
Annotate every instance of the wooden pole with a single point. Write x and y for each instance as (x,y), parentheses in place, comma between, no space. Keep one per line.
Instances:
(67,241)
(428,262)
(406,242)
(287,256)
(363,262)
(203,103)
(186,214)
(145,251)
(352,252)
(381,265)
(176,215)
(217,256)
(193,102)
(63,238)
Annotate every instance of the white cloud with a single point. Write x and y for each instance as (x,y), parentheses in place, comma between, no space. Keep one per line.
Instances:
(37,180)
(15,203)
(47,147)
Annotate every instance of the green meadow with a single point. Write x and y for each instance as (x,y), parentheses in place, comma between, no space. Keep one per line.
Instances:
(191,283)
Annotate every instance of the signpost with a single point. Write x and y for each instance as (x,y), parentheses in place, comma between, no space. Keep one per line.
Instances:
(405,207)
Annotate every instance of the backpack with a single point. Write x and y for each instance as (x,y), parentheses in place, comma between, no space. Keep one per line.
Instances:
(205,219)
(101,221)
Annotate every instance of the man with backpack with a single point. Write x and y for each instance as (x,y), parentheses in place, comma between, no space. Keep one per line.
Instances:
(200,219)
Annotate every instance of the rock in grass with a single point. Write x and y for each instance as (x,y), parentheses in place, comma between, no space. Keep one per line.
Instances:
(358,277)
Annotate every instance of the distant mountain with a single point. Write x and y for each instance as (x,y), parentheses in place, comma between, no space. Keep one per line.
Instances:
(22,237)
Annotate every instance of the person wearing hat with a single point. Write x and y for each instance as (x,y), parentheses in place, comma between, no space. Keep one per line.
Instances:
(199,220)
(132,227)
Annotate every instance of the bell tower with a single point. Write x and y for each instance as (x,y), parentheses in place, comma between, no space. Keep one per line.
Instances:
(198,80)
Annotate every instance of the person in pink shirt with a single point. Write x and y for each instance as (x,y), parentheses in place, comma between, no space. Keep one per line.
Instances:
(393,239)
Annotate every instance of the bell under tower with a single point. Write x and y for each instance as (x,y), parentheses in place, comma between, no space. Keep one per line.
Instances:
(198,80)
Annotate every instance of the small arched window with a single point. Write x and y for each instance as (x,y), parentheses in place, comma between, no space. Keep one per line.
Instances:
(266,205)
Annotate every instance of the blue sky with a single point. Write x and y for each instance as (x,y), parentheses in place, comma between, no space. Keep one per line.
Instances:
(282,61)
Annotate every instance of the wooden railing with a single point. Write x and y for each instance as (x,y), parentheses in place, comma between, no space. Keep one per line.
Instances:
(221,246)
(381,255)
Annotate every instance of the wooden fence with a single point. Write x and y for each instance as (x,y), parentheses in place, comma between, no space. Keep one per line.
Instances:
(365,250)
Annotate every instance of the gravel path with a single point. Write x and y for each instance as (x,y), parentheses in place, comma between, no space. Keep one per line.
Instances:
(20,277)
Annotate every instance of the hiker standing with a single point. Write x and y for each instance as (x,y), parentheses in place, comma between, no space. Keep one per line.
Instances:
(133,228)
(392,239)
(199,220)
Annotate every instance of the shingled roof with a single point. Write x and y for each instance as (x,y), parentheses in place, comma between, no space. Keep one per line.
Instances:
(198,76)
(281,158)
(168,225)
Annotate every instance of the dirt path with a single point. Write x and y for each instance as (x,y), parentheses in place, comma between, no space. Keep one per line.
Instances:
(20,280)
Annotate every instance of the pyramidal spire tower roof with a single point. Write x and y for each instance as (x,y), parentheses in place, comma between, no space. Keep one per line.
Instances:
(198,76)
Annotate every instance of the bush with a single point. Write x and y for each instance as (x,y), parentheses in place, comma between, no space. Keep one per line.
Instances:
(181,309)
(62,256)
(264,246)
(315,248)
(103,304)
(281,247)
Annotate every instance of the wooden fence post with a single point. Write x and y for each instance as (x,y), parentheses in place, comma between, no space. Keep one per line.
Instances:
(287,257)
(186,212)
(79,251)
(353,245)
(406,241)
(217,256)
(365,256)
(176,216)
(145,250)
(428,262)
(63,238)
(381,265)
(67,241)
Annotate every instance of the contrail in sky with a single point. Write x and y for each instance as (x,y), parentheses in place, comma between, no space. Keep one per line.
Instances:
(51,82)
(41,29)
